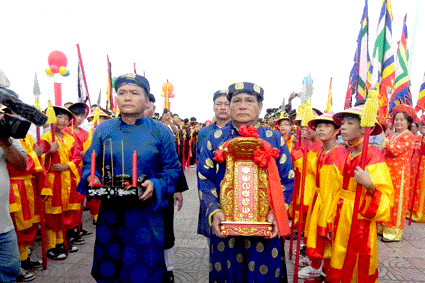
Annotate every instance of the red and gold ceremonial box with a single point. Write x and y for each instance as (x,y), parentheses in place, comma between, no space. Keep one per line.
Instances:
(244,191)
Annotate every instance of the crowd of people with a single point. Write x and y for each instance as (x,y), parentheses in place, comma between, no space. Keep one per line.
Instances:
(313,174)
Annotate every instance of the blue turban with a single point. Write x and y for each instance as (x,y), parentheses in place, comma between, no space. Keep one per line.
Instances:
(245,87)
(132,79)
(219,93)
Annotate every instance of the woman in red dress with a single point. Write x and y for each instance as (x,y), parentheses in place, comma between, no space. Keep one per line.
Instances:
(398,150)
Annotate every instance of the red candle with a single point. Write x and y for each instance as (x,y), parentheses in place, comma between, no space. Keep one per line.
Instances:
(134,169)
(92,167)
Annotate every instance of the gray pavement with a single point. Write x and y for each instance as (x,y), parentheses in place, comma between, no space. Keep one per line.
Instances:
(398,262)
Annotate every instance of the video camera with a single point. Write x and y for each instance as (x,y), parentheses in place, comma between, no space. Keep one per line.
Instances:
(14,127)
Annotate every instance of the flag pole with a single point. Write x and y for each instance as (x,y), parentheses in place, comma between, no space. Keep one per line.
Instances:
(37,92)
(413,38)
(82,70)
(109,91)
(307,117)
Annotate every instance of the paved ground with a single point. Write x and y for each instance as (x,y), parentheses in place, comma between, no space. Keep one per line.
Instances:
(398,262)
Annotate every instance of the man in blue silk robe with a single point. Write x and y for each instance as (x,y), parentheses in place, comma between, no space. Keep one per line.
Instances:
(242,259)
(129,243)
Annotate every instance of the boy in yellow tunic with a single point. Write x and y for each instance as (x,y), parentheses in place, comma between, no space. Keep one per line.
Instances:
(61,160)
(27,188)
(284,126)
(314,145)
(377,197)
(328,181)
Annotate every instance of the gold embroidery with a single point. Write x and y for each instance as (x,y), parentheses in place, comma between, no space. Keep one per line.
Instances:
(218,266)
(239,86)
(283,159)
(277,273)
(257,89)
(232,243)
(264,269)
(282,141)
(220,246)
(260,247)
(217,167)
(214,192)
(247,243)
(269,133)
(209,145)
(209,163)
(200,195)
(228,264)
(274,252)
(239,258)
(218,134)
(206,167)
(130,76)
(291,174)
(200,176)
(251,266)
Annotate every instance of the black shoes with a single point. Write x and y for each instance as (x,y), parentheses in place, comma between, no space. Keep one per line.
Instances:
(85,232)
(25,276)
(56,254)
(71,248)
(28,264)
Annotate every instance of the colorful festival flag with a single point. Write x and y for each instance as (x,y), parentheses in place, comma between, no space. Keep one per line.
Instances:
(420,105)
(359,72)
(401,94)
(329,102)
(385,58)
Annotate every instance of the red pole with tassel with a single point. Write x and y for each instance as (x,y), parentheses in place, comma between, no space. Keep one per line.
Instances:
(42,221)
(352,247)
(300,210)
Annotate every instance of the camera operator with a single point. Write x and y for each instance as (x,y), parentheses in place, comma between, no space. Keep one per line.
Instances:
(11,152)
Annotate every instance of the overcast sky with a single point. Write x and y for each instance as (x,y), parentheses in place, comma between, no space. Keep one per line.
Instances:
(199,46)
